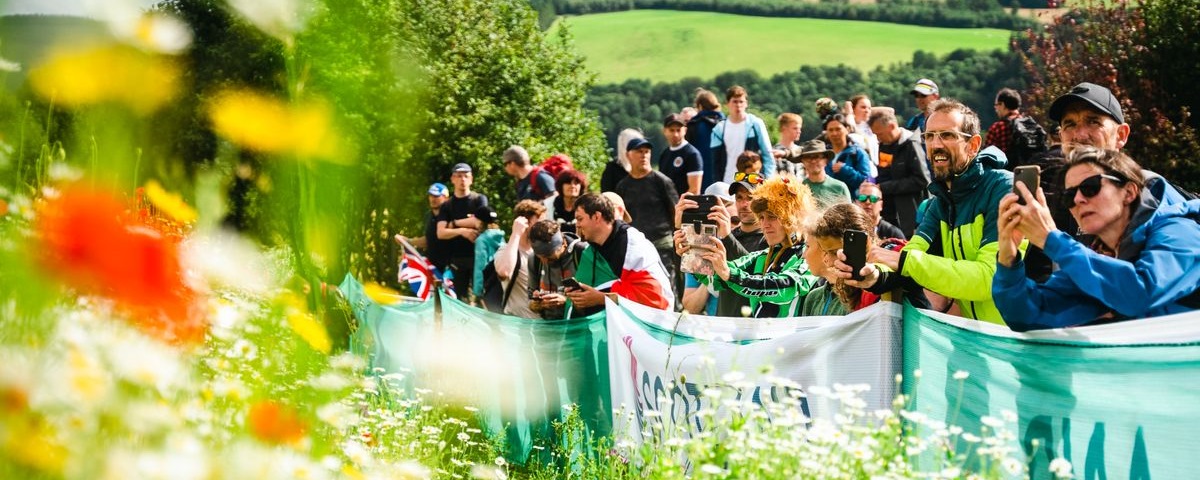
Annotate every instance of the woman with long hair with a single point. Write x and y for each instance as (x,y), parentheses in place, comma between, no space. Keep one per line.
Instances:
(618,168)
(777,279)
(824,241)
(1137,259)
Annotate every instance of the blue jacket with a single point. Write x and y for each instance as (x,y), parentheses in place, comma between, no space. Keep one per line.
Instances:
(855,169)
(1157,265)
(756,141)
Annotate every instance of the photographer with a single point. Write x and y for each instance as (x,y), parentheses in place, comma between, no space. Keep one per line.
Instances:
(738,242)
(555,259)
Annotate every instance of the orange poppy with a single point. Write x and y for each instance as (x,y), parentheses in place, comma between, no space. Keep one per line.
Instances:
(275,423)
(90,243)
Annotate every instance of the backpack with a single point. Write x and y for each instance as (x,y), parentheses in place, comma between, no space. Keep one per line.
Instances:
(1028,138)
(495,293)
(554,165)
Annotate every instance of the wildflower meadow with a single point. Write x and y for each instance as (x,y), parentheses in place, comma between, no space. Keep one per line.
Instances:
(173,223)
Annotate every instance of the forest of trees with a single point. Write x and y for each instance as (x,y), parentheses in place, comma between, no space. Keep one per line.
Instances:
(948,13)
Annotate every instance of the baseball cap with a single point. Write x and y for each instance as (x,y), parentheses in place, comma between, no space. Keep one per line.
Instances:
(719,190)
(925,86)
(673,119)
(486,214)
(733,187)
(1099,97)
(438,190)
(619,203)
(636,143)
(461,167)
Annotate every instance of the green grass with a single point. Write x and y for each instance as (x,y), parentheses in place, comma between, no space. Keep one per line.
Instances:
(665,45)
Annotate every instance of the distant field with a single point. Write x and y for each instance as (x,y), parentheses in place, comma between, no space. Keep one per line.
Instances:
(666,45)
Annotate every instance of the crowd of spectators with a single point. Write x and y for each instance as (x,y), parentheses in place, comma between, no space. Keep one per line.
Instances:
(763,230)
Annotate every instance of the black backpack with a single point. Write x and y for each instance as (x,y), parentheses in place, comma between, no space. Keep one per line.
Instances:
(1028,139)
(495,293)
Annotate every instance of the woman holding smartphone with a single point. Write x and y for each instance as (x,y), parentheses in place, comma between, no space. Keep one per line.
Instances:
(1137,258)
(777,279)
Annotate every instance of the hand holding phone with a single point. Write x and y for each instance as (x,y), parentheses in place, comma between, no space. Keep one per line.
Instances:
(854,246)
(704,205)
(572,284)
(1030,175)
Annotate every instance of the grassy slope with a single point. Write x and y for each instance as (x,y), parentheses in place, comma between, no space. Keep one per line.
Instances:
(664,45)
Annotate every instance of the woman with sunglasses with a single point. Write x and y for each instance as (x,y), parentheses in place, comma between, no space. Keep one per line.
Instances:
(1138,257)
(777,279)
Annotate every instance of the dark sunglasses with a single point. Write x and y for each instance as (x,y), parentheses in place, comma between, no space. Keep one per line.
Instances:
(869,198)
(751,178)
(1089,187)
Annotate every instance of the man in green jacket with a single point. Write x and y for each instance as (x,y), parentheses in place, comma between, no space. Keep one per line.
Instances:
(953,252)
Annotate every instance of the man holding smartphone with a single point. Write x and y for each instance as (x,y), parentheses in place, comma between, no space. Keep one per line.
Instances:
(953,252)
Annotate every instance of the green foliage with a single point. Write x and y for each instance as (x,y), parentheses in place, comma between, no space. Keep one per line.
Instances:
(662,45)
(494,80)
(972,77)
(1144,52)
(953,13)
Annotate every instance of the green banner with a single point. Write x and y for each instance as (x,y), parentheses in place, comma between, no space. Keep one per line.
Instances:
(1117,401)
(533,367)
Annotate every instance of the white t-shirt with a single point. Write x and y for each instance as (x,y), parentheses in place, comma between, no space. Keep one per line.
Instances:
(735,144)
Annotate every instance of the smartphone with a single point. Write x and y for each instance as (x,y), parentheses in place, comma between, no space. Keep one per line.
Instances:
(572,284)
(699,215)
(1030,176)
(854,246)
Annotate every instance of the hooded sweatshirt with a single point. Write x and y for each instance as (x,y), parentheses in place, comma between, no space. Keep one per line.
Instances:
(1155,272)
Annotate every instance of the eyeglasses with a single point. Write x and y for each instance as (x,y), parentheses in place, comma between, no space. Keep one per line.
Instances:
(946,136)
(869,198)
(751,178)
(1089,187)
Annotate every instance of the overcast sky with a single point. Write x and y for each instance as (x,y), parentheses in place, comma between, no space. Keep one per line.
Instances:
(56,7)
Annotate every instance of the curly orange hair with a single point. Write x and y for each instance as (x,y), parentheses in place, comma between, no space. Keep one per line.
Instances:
(786,198)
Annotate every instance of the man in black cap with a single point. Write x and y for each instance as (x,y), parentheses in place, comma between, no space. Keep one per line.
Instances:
(681,161)
(458,226)
(650,200)
(1089,115)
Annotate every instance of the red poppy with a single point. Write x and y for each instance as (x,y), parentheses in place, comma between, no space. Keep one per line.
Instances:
(275,423)
(88,241)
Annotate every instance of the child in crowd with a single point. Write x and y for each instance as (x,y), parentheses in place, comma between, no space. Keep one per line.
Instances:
(749,162)
(833,296)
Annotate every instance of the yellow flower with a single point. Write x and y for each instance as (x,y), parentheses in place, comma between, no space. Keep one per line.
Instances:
(381,294)
(30,442)
(170,203)
(269,125)
(141,81)
(305,325)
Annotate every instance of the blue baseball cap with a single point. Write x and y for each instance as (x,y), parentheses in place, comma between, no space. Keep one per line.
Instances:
(636,143)
(438,190)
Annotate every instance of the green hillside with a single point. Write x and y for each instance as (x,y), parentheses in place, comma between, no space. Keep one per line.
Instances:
(665,45)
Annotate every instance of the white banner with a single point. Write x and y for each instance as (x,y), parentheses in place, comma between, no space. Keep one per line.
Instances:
(659,358)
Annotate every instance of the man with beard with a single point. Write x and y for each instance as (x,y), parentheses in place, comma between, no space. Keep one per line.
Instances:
(953,252)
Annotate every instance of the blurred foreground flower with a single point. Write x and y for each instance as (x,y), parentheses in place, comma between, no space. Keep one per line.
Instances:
(170,203)
(381,294)
(304,324)
(144,82)
(87,242)
(274,423)
(278,18)
(269,125)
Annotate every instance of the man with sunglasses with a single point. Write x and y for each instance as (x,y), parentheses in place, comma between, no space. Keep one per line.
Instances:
(953,252)
(870,199)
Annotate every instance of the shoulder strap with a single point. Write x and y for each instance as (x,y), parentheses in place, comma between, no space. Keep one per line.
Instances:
(512,279)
